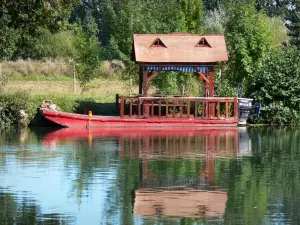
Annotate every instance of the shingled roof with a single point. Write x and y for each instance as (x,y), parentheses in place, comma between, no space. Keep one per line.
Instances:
(179,48)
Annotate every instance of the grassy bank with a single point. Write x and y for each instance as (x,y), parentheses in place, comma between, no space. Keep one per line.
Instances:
(98,96)
(101,90)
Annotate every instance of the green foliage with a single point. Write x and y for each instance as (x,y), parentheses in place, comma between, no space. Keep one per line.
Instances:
(192,15)
(3,79)
(293,16)
(118,21)
(279,114)
(88,52)
(277,86)
(214,21)
(8,40)
(279,32)
(10,109)
(20,22)
(272,7)
(178,83)
(248,40)
(79,45)
(55,45)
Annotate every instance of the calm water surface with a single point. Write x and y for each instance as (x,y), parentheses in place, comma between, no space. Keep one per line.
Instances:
(219,176)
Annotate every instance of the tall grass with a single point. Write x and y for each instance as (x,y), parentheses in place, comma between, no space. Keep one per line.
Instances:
(53,69)
(21,69)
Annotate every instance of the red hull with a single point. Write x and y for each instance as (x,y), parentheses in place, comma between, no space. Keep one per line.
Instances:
(79,120)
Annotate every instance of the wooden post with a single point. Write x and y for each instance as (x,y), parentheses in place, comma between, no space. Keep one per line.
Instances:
(188,109)
(167,107)
(139,108)
(181,108)
(212,106)
(236,109)
(122,107)
(152,108)
(141,81)
(159,109)
(211,82)
(219,110)
(226,109)
(196,109)
(130,108)
(174,108)
(145,83)
(117,101)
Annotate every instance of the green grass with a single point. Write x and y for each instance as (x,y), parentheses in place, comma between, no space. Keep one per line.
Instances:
(98,96)
(39,77)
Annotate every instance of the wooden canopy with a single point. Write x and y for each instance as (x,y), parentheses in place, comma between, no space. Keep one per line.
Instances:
(179,48)
(178,52)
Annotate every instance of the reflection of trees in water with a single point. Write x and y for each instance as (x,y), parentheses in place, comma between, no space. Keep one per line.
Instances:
(27,212)
(90,163)
(259,187)
(266,185)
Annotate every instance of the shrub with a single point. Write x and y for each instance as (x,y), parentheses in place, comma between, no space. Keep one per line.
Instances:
(277,87)
(11,107)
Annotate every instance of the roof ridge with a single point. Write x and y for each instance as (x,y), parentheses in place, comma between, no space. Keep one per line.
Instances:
(179,34)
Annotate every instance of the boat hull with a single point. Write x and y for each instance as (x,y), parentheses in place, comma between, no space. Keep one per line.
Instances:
(80,120)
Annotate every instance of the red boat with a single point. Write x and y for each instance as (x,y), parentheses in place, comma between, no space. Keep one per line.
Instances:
(155,53)
(80,120)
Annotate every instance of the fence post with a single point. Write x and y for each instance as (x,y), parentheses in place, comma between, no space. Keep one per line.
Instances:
(117,101)
(236,109)
(122,107)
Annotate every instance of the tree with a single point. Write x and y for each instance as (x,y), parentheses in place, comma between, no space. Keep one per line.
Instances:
(88,53)
(248,40)
(192,14)
(277,86)
(20,22)
(273,7)
(294,23)
(211,5)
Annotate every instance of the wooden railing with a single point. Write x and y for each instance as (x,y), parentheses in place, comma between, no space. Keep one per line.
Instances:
(179,107)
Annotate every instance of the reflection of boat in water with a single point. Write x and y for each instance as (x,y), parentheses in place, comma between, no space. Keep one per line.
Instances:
(149,143)
(178,192)
(180,203)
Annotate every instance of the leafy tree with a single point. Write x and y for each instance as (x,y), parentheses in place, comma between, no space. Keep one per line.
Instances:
(21,19)
(192,14)
(293,24)
(248,40)
(88,53)
(273,7)
(55,45)
(279,32)
(211,5)
(277,86)
(214,21)
(8,40)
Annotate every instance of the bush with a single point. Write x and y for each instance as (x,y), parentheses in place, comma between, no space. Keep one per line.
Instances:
(277,87)
(13,108)
(276,114)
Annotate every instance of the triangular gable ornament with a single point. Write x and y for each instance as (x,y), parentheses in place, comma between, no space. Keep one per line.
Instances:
(203,43)
(158,43)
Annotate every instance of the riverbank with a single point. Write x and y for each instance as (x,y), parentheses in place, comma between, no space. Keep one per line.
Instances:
(20,99)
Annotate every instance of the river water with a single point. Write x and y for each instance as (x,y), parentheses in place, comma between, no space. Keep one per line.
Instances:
(126,176)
